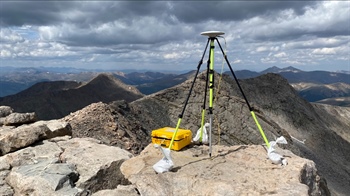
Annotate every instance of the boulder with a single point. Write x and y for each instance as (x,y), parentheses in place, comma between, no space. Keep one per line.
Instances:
(39,166)
(97,164)
(235,170)
(5,111)
(20,118)
(64,166)
(44,150)
(25,135)
(12,138)
(44,178)
(57,128)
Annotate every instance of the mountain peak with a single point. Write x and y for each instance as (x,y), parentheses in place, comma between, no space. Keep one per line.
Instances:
(106,80)
(290,69)
(67,97)
(275,69)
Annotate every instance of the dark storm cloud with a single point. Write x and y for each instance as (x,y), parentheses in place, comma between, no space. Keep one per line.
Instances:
(50,12)
(145,22)
(201,11)
(18,13)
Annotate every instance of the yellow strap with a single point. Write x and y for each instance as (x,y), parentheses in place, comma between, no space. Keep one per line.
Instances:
(218,90)
(260,129)
(202,125)
(175,132)
(211,74)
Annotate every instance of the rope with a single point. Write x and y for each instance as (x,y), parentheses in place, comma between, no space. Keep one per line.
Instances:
(218,89)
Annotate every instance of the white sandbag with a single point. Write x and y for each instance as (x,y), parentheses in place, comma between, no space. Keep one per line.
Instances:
(204,135)
(165,164)
(274,156)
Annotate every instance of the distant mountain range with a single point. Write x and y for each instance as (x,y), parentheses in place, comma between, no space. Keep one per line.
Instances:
(14,80)
(56,99)
(151,82)
(314,86)
(294,75)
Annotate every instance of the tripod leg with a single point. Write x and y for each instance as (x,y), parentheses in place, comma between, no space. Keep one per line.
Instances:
(188,97)
(245,98)
(211,90)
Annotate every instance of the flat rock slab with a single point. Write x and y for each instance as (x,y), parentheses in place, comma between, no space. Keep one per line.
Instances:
(25,135)
(14,138)
(236,170)
(43,178)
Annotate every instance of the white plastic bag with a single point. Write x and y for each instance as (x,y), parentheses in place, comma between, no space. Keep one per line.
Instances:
(274,156)
(204,135)
(165,164)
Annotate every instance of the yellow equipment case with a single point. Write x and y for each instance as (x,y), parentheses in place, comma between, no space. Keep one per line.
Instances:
(164,135)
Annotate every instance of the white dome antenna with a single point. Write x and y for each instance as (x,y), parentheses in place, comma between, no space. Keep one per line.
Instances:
(212,33)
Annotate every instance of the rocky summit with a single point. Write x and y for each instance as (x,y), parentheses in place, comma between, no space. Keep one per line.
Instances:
(234,170)
(41,158)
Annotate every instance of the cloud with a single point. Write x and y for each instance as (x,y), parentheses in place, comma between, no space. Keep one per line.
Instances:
(329,19)
(200,11)
(322,51)
(155,33)
(280,55)
(9,36)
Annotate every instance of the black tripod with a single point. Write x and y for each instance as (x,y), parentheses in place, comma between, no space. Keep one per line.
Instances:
(212,36)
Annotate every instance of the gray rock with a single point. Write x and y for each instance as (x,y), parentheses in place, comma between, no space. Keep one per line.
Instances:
(2,120)
(42,178)
(57,128)
(12,139)
(3,175)
(3,164)
(5,189)
(124,190)
(5,111)
(40,167)
(97,164)
(63,166)
(20,118)
(25,135)
(33,154)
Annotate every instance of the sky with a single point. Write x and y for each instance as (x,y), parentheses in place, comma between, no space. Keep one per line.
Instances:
(166,35)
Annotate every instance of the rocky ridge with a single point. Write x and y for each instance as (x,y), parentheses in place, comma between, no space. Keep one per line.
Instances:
(311,131)
(42,158)
(57,164)
(54,100)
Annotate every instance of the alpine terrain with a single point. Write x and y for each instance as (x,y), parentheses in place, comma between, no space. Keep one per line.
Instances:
(316,132)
